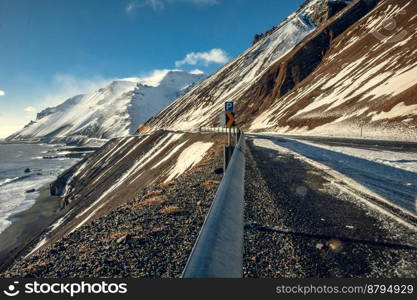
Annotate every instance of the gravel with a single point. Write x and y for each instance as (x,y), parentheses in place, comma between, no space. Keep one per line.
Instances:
(293,228)
(298,227)
(151,236)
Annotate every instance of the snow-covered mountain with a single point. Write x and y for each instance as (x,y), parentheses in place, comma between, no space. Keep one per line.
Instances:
(201,106)
(363,84)
(338,67)
(113,111)
(333,67)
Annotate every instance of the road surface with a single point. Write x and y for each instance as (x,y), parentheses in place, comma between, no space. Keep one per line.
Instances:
(314,212)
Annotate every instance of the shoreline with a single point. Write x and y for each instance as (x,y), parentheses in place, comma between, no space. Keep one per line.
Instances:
(28,226)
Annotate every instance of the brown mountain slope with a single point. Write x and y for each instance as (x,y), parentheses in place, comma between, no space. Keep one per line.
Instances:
(353,73)
(201,106)
(366,80)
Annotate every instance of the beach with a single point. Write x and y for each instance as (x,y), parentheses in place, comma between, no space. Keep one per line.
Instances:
(27,226)
(27,207)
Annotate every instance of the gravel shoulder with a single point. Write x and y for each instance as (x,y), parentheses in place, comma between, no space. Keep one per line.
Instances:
(298,224)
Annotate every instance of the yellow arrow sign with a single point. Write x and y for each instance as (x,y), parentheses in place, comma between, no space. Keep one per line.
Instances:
(230,119)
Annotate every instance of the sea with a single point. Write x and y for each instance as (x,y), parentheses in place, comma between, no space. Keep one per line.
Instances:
(23,171)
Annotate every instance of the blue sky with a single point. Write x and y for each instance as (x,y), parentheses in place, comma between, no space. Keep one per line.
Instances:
(51,50)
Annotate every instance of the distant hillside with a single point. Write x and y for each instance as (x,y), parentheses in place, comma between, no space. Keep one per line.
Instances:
(113,111)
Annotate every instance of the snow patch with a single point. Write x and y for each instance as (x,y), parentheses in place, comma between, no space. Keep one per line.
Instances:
(400,110)
(189,158)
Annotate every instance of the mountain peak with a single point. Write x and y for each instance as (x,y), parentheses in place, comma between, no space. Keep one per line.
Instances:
(112,111)
(312,13)
(180,78)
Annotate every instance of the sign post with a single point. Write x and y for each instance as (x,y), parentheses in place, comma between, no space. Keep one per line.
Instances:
(229,108)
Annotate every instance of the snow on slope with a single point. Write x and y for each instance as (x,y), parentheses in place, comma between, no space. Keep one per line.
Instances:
(189,158)
(353,74)
(201,106)
(121,169)
(113,111)
(365,84)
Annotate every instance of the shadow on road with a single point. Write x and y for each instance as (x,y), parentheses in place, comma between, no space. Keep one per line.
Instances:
(395,185)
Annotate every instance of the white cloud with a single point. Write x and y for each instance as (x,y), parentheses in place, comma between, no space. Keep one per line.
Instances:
(154,78)
(11,122)
(197,72)
(2,93)
(131,7)
(134,5)
(217,56)
(155,4)
(207,2)
(7,128)
(64,86)
(30,109)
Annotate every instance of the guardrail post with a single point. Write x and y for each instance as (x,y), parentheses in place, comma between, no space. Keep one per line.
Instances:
(228,152)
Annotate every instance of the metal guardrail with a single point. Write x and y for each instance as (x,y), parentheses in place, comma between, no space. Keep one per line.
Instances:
(224,130)
(218,251)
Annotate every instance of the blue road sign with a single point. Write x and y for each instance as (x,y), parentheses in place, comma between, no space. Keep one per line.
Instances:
(229,106)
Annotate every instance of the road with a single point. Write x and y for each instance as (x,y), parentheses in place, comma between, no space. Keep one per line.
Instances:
(373,168)
(314,212)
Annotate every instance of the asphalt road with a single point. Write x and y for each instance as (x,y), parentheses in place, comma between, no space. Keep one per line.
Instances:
(383,183)
(359,143)
(303,222)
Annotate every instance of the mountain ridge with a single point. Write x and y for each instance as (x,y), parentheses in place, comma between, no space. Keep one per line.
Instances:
(235,78)
(112,111)
(266,81)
